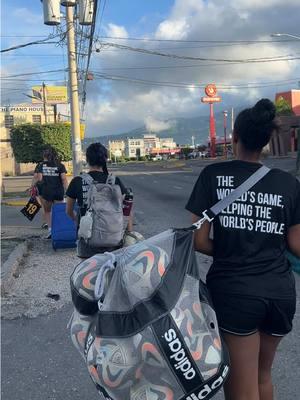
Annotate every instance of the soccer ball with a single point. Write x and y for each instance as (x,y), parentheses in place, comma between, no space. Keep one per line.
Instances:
(131,238)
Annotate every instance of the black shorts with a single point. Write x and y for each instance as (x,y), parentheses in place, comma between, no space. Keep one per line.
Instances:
(52,195)
(245,315)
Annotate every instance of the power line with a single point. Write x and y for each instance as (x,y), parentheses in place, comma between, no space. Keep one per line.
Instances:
(32,55)
(145,67)
(37,42)
(183,85)
(180,57)
(90,49)
(32,73)
(23,36)
(195,41)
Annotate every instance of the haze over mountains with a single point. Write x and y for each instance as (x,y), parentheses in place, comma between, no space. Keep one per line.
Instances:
(181,129)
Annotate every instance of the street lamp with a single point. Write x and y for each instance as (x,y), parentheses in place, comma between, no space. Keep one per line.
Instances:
(285,34)
(225,113)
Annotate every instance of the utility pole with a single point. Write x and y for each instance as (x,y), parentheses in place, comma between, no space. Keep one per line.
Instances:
(74,98)
(45,102)
(225,113)
(232,119)
(193,141)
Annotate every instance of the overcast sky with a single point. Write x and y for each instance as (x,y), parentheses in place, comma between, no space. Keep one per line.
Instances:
(116,106)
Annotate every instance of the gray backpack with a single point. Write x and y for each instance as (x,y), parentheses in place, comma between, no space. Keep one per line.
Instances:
(102,225)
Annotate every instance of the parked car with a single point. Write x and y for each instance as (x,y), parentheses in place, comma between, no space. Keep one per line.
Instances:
(194,154)
(157,158)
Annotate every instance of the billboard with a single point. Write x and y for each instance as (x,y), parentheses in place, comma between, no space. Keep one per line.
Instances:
(53,95)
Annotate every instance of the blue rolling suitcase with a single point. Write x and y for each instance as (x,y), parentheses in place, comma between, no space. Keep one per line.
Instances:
(63,232)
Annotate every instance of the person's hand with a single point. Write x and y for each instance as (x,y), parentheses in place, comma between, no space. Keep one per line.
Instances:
(29,190)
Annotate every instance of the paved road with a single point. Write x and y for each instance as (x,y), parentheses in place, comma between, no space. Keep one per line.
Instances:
(38,359)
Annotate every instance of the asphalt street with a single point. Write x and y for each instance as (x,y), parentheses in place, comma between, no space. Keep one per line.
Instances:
(38,358)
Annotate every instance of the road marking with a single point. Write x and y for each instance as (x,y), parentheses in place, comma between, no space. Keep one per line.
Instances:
(155,181)
(178,187)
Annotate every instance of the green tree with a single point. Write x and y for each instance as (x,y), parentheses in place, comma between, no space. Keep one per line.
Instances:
(283,107)
(29,140)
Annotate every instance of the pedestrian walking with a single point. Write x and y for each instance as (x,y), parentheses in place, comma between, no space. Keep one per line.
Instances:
(51,182)
(250,280)
(78,191)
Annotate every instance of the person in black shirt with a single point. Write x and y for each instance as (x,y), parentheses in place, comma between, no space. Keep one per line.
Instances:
(250,280)
(52,183)
(96,156)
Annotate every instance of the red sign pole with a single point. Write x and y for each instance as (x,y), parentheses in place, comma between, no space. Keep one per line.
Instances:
(212,130)
(211,93)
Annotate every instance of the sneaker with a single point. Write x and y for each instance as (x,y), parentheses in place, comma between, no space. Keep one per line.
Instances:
(48,236)
(44,226)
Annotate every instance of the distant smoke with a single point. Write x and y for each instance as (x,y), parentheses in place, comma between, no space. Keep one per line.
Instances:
(154,125)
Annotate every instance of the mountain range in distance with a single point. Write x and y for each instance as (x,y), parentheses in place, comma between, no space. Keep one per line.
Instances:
(180,129)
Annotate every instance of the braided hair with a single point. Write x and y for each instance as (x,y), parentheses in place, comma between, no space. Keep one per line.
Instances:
(97,155)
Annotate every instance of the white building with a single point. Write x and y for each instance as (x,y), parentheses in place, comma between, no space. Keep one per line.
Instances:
(134,148)
(151,141)
(167,143)
(116,148)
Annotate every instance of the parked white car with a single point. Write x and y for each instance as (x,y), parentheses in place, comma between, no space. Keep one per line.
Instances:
(157,158)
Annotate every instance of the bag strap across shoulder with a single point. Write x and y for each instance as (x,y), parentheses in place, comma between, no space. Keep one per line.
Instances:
(210,214)
(111,180)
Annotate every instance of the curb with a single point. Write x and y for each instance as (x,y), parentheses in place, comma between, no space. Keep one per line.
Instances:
(17,203)
(11,267)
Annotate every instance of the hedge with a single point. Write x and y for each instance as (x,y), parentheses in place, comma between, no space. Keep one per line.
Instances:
(29,140)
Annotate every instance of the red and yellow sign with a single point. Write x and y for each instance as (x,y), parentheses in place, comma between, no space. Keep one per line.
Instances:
(216,99)
(210,90)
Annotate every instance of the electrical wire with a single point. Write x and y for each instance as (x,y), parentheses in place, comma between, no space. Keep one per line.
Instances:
(196,41)
(155,67)
(32,73)
(192,85)
(37,42)
(180,57)
(90,50)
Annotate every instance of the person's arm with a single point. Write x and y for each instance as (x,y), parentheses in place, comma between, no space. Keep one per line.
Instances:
(70,208)
(293,239)
(202,242)
(33,182)
(199,201)
(64,181)
(293,236)
(63,176)
(72,197)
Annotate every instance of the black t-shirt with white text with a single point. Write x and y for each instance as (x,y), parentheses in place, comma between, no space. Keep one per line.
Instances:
(51,175)
(78,188)
(249,235)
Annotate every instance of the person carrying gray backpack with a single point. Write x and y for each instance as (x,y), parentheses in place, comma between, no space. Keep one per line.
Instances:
(99,196)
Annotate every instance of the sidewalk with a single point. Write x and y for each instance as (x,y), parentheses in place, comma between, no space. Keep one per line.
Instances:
(41,271)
